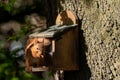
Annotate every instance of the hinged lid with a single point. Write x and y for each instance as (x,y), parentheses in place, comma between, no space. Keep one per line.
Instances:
(52,31)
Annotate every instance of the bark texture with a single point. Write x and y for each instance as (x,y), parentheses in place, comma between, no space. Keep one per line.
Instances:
(99,37)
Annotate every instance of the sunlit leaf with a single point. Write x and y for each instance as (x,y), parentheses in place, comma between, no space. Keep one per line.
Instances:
(2,56)
(15,78)
(2,43)
(7,72)
(28,75)
(12,1)
(3,66)
(7,7)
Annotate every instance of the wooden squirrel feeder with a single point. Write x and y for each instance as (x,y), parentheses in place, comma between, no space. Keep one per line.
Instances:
(63,50)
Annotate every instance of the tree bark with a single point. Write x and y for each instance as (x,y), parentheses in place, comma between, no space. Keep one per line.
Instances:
(99,38)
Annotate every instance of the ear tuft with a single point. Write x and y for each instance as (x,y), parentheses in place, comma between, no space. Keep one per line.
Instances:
(47,42)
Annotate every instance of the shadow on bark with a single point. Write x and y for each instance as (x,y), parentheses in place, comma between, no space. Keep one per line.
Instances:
(85,72)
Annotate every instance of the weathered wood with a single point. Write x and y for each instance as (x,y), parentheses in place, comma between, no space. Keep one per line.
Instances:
(38,69)
(66,51)
(66,46)
(52,31)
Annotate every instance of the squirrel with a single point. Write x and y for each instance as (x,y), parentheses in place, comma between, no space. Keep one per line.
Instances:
(34,52)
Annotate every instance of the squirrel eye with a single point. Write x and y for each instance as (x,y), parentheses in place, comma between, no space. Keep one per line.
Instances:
(38,41)
(37,48)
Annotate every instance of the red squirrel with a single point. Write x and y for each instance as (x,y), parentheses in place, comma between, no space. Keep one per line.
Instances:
(34,52)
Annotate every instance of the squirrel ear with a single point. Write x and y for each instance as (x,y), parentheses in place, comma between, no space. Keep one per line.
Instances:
(41,39)
(47,42)
(28,46)
(35,40)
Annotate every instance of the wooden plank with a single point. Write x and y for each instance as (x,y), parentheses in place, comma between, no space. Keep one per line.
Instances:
(52,31)
(38,69)
(66,51)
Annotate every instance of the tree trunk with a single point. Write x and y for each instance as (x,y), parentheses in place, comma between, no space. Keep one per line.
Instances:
(99,38)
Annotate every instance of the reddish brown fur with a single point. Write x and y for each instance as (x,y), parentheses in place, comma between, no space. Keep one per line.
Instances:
(34,52)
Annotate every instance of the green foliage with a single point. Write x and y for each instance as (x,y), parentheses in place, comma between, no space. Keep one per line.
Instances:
(14,7)
(9,66)
(8,6)
(10,69)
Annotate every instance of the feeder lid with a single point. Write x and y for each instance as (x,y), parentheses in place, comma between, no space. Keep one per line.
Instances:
(52,31)
(65,20)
